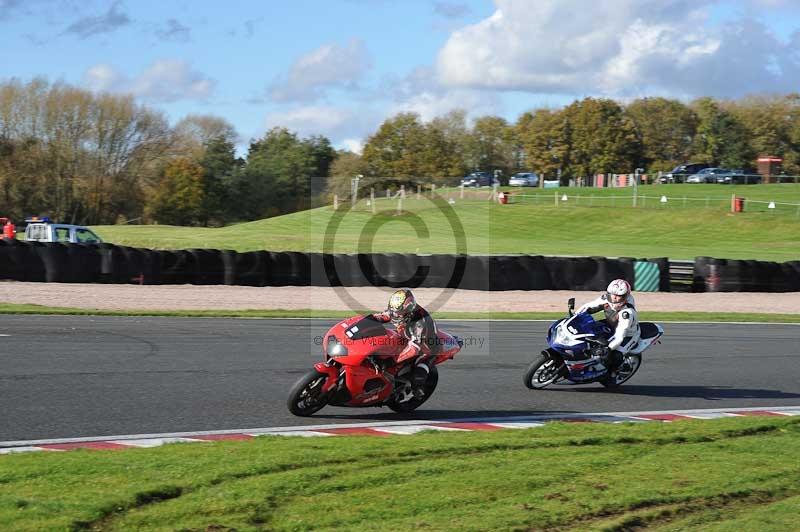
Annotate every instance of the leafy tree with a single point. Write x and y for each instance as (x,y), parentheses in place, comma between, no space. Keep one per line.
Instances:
(282,174)
(544,141)
(602,139)
(493,145)
(179,196)
(219,163)
(346,166)
(721,139)
(394,150)
(666,129)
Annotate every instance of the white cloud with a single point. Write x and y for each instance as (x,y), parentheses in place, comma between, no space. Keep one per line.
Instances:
(103,78)
(618,47)
(353,145)
(420,92)
(166,80)
(312,120)
(329,66)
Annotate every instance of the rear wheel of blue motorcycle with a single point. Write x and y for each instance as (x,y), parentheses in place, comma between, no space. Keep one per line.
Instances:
(542,372)
(415,402)
(630,365)
(306,397)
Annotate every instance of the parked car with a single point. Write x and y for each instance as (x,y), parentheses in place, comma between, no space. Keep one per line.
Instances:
(682,171)
(478,179)
(524,179)
(706,175)
(41,229)
(738,177)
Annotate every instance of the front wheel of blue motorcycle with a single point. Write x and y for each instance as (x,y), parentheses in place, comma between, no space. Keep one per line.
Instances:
(542,372)
(630,365)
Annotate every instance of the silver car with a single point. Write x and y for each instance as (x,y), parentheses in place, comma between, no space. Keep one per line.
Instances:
(524,179)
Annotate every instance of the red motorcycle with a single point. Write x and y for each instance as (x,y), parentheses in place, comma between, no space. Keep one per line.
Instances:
(366,364)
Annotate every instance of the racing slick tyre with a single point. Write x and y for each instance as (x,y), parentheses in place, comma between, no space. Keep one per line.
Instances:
(410,404)
(306,397)
(630,365)
(542,372)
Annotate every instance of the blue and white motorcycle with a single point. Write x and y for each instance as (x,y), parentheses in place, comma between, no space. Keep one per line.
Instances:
(572,356)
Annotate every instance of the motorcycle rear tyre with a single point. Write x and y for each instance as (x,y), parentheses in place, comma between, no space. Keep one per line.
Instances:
(611,382)
(302,385)
(414,403)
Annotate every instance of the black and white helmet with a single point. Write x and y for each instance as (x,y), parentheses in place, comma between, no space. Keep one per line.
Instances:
(617,293)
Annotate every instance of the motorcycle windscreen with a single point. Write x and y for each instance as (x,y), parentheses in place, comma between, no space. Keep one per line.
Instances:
(368,327)
(584,323)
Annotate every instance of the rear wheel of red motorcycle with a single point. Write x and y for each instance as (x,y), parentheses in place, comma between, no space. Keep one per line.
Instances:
(306,397)
(412,404)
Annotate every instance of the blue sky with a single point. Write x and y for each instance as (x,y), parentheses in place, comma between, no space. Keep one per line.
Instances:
(339,68)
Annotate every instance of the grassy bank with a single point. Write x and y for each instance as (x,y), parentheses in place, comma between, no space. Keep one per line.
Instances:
(12,308)
(532,226)
(727,474)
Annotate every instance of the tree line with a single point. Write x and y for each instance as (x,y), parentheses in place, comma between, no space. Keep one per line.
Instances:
(92,158)
(589,136)
(89,158)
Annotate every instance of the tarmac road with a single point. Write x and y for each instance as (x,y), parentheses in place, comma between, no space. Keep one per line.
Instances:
(76,376)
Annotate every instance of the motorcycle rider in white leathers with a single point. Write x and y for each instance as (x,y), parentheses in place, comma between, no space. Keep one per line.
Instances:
(620,311)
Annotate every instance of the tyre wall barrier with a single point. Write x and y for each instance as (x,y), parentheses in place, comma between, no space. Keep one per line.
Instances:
(19,261)
(109,263)
(725,275)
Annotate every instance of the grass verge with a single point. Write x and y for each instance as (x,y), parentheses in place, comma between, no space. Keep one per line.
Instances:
(728,317)
(536,227)
(726,474)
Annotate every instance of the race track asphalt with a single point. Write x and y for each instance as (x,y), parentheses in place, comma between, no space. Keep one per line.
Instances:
(75,376)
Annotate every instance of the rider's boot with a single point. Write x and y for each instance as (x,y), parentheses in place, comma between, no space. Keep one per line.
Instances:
(421,371)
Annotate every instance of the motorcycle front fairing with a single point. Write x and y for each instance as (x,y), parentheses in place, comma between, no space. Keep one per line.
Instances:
(569,336)
(353,345)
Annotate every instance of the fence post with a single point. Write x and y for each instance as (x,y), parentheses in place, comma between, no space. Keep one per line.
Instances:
(335,202)
(461,194)
(372,199)
(400,204)
(419,189)
(387,193)
(403,191)
(733,202)
(433,190)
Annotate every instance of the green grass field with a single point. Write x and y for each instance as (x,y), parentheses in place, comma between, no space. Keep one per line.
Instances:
(603,225)
(729,474)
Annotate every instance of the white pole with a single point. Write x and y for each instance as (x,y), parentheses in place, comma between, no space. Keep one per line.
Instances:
(335,202)
(433,190)
(372,199)
(461,195)
(403,191)
(400,204)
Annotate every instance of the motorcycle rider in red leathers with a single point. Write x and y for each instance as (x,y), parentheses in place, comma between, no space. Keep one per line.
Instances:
(416,325)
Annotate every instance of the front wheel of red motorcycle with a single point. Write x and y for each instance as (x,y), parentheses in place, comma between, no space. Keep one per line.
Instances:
(407,402)
(306,396)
